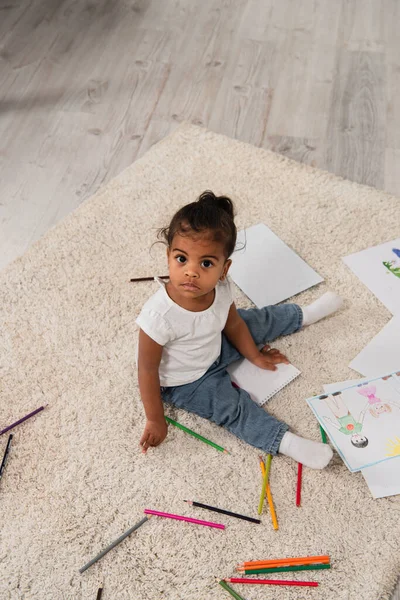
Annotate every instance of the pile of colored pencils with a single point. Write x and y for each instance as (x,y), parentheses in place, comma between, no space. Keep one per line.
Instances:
(304,563)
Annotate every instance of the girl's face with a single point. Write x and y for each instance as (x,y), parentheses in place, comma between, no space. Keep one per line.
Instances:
(196,264)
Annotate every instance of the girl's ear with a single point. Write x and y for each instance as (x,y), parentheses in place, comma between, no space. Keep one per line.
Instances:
(226,269)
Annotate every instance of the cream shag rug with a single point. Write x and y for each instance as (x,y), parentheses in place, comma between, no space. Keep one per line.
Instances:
(75,479)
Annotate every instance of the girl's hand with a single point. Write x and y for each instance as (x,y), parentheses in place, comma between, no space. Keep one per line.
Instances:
(154,433)
(268,358)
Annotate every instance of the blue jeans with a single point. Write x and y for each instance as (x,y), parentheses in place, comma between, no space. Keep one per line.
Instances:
(213,397)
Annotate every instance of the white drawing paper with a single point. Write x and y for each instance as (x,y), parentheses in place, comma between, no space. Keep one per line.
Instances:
(267,270)
(259,383)
(363,420)
(382,479)
(382,353)
(379,269)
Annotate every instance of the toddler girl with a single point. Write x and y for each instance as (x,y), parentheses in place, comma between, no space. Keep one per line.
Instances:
(190,331)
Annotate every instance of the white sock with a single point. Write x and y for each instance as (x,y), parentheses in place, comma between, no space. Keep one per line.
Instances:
(324,306)
(311,454)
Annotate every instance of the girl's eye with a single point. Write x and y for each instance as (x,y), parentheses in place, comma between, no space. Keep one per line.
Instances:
(181,259)
(207,264)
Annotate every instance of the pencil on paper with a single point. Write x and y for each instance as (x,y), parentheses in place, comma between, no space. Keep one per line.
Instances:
(323,435)
(157,513)
(269,497)
(3,462)
(298,491)
(22,420)
(273,582)
(230,590)
(113,544)
(222,511)
(148,278)
(258,571)
(194,434)
(264,484)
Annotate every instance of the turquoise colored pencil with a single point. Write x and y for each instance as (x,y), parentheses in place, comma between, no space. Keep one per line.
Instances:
(230,590)
(265,482)
(196,435)
(323,435)
(286,569)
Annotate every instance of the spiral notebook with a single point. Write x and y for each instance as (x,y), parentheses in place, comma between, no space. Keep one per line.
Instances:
(259,383)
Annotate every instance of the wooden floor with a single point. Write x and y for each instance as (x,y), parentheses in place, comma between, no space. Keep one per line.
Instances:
(87,86)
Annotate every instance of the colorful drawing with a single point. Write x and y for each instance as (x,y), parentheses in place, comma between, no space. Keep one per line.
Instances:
(393,447)
(375,405)
(345,422)
(393,265)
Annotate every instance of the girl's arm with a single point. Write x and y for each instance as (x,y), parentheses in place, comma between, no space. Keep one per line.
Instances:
(149,384)
(239,336)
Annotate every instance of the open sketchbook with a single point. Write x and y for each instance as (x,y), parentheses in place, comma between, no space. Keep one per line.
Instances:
(362,420)
(259,383)
(266,269)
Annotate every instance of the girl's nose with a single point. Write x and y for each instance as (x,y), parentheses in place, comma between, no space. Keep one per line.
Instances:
(191,271)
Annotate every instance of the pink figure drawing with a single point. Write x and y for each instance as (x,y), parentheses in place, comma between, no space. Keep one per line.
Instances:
(375,405)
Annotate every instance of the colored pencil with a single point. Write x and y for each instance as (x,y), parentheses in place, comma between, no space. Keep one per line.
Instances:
(298,491)
(22,420)
(3,462)
(287,562)
(99,593)
(264,484)
(148,278)
(269,497)
(223,511)
(148,511)
(196,435)
(113,544)
(230,590)
(323,435)
(273,582)
(285,569)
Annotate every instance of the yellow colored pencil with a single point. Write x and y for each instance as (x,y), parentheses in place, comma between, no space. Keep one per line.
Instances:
(269,498)
(264,484)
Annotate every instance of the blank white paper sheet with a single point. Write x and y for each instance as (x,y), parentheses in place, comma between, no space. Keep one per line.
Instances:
(267,270)
(382,354)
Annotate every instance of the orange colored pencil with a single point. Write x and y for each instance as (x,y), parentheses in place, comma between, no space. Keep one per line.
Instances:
(269,497)
(286,562)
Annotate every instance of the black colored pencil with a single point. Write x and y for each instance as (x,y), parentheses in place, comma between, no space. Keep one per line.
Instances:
(149,278)
(3,462)
(223,511)
(99,593)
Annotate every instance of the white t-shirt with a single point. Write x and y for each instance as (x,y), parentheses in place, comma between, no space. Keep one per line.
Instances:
(191,340)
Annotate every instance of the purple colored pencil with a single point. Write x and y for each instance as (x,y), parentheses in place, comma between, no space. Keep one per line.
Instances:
(22,420)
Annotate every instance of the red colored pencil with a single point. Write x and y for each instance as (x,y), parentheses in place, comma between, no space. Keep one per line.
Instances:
(298,492)
(273,582)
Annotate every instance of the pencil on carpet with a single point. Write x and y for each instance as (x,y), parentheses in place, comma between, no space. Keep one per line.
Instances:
(158,513)
(323,434)
(222,511)
(265,483)
(34,412)
(269,497)
(149,278)
(260,571)
(273,582)
(99,593)
(298,491)
(7,450)
(113,544)
(230,590)
(276,562)
(194,434)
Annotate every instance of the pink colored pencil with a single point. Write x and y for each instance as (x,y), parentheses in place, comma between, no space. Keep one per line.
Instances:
(148,511)
(298,492)
(273,582)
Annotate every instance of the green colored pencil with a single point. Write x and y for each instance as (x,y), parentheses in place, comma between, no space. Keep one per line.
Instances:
(196,435)
(264,484)
(286,569)
(323,435)
(230,590)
